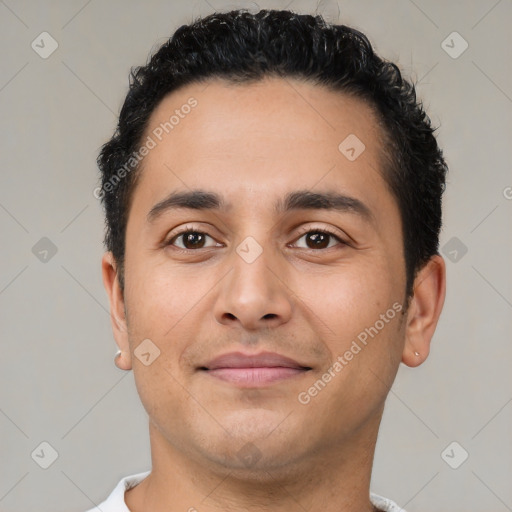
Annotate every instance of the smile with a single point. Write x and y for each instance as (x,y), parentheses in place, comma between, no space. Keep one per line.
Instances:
(253,370)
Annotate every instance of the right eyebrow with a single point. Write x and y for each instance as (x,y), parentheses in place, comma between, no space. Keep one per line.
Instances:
(195,200)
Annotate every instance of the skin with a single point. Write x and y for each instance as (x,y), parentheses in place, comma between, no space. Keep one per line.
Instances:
(254,143)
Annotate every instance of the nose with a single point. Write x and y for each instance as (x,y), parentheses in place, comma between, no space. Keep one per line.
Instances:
(254,294)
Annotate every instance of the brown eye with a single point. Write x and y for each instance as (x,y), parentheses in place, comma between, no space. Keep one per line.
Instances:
(320,239)
(190,240)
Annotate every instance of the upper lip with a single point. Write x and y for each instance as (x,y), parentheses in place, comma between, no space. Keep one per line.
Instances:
(241,360)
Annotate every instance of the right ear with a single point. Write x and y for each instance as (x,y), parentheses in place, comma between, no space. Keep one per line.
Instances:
(117,310)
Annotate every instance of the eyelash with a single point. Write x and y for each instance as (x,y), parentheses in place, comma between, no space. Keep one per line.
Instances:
(305,231)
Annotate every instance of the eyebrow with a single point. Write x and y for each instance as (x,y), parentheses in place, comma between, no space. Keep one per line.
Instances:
(298,200)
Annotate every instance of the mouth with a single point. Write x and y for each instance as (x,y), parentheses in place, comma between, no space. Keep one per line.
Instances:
(257,370)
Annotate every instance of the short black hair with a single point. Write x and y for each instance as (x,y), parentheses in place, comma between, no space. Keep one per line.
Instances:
(240,47)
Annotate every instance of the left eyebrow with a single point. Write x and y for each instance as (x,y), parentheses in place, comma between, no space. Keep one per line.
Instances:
(306,200)
(298,200)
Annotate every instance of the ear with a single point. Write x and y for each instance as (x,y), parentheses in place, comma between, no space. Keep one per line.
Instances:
(424,310)
(117,310)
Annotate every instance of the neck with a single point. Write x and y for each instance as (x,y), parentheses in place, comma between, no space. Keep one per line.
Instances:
(334,480)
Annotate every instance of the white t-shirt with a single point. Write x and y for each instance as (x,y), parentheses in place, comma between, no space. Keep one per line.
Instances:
(115,502)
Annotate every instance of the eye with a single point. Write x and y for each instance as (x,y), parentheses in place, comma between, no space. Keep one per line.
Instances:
(190,239)
(320,239)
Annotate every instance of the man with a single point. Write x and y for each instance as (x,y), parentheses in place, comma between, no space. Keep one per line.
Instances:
(273,205)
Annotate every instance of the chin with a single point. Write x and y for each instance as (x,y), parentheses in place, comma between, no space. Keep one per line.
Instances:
(253,442)
(256,425)
(252,461)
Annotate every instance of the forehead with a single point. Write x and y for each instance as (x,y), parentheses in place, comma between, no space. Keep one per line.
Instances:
(258,140)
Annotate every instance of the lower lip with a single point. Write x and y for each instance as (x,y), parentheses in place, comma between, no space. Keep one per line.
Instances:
(254,377)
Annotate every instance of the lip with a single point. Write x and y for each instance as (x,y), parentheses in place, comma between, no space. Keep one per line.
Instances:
(253,370)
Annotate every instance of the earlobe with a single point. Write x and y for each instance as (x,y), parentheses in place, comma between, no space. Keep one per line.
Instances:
(117,310)
(121,361)
(424,311)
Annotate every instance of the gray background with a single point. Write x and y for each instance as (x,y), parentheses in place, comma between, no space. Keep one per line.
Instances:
(58,380)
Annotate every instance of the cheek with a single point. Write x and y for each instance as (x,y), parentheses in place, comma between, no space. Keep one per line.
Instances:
(159,297)
(347,300)
(358,313)
(171,307)
(159,306)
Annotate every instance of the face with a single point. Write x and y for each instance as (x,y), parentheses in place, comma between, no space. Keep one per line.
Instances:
(274,306)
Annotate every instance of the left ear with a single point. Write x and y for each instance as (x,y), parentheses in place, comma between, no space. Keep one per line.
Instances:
(424,310)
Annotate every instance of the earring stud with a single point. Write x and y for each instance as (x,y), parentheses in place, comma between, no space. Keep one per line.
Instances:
(416,354)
